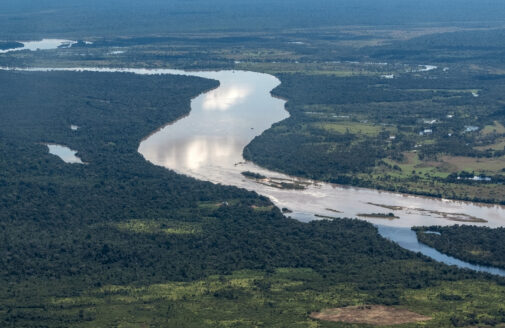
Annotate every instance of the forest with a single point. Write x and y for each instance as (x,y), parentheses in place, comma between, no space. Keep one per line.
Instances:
(478,245)
(476,46)
(9,45)
(85,244)
(54,18)
(118,242)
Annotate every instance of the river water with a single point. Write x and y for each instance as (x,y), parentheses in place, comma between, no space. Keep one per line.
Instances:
(64,153)
(208,143)
(44,44)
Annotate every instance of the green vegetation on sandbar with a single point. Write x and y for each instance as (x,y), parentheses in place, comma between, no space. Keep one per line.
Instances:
(389,216)
(253,175)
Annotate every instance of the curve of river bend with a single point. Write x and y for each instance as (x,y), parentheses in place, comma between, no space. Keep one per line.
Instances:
(208,143)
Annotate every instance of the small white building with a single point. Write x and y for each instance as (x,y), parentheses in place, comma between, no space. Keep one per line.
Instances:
(431,122)
(471,128)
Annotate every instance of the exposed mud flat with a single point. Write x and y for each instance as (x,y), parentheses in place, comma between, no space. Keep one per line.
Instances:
(377,315)
(458,217)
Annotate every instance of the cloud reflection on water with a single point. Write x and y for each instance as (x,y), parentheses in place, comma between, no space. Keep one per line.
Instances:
(226,97)
(195,152)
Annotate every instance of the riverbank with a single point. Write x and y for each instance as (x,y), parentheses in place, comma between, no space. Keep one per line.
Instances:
(401,135)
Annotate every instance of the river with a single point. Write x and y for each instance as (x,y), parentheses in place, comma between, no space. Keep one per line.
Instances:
(208,143)
(44,44)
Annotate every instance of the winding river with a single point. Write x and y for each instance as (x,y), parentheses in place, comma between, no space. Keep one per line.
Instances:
(208,143)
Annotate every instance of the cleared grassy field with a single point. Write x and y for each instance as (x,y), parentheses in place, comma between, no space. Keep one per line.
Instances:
(445,165)
(496,128)
(161,226)
(484,165)
(354,128)
(499,145)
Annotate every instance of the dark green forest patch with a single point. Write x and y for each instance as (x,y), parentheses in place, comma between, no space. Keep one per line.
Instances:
(479,245)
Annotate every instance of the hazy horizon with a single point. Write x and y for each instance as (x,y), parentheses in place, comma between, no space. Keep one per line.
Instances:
(30,18)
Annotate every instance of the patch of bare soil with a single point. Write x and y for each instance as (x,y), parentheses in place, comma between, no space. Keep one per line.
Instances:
(378,315)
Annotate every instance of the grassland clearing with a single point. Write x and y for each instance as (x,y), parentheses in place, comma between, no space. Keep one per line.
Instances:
(496,128)
(262,208)
(446,164)
(475,164)
(498,145)
(161,226)
(354,128)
